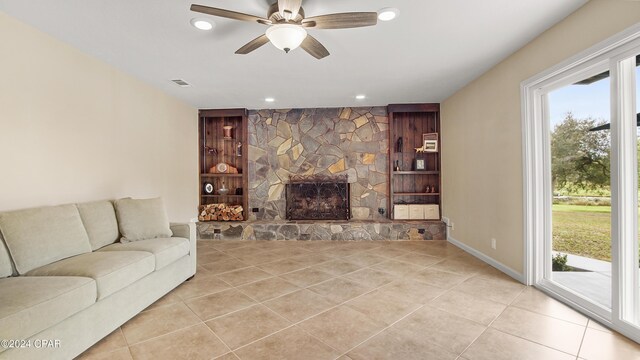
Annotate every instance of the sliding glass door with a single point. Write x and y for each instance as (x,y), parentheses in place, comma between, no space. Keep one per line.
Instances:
(582,169)
(579,115)
(626,312)
(636,321)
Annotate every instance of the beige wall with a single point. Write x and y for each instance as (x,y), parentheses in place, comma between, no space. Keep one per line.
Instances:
(481,125)
(75,129)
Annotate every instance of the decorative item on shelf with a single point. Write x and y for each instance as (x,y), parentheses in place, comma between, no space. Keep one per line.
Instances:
(431,146)
(210,150)
(428,190)
(220,212)
(208,188)
(223,189)
(419,165)
(430,142)
(239,149)
(397,167)
(433,189)
(223,168)
(399,145)
(226,130)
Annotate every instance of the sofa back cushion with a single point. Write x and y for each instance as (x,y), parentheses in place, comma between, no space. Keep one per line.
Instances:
(142,219)
(40,236)
(6,266)
(99,219)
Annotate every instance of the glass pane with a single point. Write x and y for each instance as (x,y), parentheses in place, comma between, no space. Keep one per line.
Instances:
(580,161)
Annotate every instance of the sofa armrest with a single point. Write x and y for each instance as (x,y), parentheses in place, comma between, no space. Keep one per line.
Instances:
(187,231)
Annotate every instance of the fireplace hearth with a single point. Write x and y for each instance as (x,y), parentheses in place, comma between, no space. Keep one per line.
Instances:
(318,197)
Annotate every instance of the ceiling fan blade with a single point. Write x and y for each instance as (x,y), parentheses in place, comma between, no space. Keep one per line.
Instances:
(229,14)
(253,45)
(314,47)
(289,8)
(342,20)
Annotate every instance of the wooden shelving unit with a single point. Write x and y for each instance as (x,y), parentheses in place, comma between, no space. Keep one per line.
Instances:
(407,185)
(416,172)
(214,148)
(222,175)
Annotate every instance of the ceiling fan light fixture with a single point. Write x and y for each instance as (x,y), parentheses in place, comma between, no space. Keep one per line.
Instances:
(201,24)
(388,14)
(361,97)
(269,99)
(286,37)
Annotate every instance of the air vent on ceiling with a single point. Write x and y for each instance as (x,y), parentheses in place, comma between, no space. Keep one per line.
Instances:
(181,82)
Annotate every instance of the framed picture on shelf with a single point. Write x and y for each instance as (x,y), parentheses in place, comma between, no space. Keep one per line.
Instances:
(430,142)
(431,146)
(419,165)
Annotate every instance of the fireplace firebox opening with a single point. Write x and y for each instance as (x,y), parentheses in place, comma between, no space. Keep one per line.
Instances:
(318,197)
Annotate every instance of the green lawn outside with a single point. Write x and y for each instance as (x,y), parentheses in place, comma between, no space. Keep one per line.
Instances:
(582,230)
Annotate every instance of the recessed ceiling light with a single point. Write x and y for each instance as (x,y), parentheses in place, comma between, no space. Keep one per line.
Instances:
(361,97)
(388,14)
(269,99)
(201,24)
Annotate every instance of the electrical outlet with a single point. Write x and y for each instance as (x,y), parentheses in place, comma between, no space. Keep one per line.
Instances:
(452,226)
(381,211)
(494,243)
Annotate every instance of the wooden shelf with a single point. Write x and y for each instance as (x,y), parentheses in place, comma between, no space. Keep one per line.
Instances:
(416,172)
(415,153)
(221,175)
(211,136)
(217,196)
(410,122)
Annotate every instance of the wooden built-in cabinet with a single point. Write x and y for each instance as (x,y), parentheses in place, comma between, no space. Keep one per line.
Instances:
(408,186)
(215,148)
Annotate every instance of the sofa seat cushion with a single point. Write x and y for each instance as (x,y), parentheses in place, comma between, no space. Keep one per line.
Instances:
(165,250)
(111,270)
(30,304)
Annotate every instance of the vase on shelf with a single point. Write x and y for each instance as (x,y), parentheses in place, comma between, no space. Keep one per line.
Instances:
(226,131)
(223,189)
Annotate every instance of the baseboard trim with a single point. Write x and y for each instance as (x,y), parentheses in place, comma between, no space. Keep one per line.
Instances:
(489,260)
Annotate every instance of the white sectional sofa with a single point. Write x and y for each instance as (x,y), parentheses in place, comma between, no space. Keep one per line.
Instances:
(71,274)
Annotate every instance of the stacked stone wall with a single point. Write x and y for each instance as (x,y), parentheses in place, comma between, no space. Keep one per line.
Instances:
(328,141)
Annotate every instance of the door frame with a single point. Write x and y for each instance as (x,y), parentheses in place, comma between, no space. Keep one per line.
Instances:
(537,189)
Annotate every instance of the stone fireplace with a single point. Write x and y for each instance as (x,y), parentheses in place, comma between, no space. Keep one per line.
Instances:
(287,145)
(318,197)
(324,141)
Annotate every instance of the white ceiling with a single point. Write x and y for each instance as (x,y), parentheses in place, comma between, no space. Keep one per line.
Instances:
(431,50)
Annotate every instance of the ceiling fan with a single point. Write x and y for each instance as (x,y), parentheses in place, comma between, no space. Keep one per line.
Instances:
(287,22)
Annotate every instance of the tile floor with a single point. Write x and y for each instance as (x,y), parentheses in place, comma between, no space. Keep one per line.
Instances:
(355,300)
